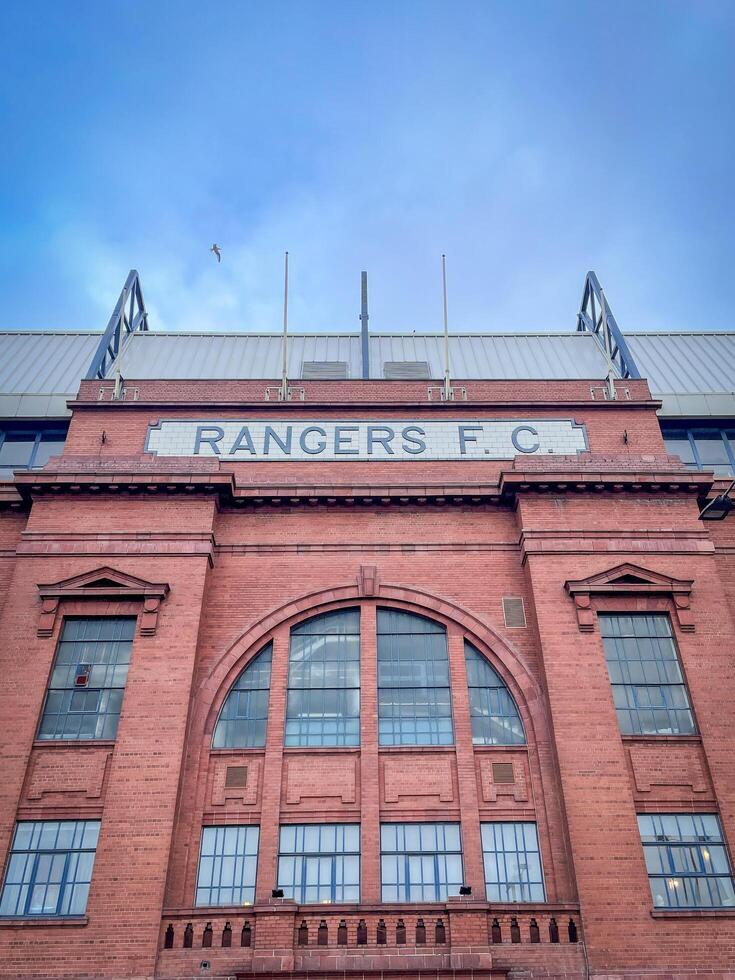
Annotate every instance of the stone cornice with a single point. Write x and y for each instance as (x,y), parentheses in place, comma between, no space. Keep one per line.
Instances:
(223,484)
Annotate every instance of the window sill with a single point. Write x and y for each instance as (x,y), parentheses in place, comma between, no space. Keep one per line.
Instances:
(520,747)
(417,748)
(69,743)
(24,922)
(321,748)
(661,738)
(728,913)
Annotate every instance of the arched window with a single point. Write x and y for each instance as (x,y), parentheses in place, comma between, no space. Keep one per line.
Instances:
(495,718)
(244,715)
(414,703)
(323,706)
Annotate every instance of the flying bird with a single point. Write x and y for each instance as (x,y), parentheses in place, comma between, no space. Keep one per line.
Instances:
(216,249)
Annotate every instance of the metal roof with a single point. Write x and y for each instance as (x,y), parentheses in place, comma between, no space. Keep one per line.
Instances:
(40,370)
(473,356)
(694,373)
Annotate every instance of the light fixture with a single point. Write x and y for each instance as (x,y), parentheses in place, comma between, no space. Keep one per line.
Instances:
(719,507)
(277,893)
(465,889)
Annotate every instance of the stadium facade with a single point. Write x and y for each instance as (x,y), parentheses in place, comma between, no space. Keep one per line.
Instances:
(373,672)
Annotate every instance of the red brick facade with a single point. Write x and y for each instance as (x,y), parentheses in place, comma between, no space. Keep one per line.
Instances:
(216,558)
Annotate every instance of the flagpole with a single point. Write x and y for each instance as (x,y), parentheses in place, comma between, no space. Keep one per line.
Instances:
(284,365)
(447,381)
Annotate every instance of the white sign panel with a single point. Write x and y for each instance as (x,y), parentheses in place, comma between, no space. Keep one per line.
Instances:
(320,439)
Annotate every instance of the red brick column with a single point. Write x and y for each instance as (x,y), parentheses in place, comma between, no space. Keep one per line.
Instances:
(275,926)
(369,759)
(468,933)
(273,769)
(474,873)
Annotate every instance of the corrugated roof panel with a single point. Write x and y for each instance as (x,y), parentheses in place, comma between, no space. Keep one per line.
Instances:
(685,363)
(232,356)
(501,356)
(44,362)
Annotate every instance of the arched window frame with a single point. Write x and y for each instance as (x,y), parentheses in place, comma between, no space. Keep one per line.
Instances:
(397,725)
(482,704)
(321,677)
(255,664)
(493,648)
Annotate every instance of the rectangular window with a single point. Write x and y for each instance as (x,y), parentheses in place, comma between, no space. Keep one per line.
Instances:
(711,448)
(323,706)
(414,702)
(686,860)
(320,862)
(50,868)
(87,682)
(228,861)
(512,863)
(650,695)
(28,448)
(420,862)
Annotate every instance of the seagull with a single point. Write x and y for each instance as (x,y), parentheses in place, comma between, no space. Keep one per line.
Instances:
(216,249)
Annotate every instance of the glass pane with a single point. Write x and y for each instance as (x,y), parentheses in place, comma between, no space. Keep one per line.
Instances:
(310,863)
(57,857)
(512,862)
(414,701)
(17,448)
(226,876)
(243,718)
(711,447)
(648,686)
(88,678)
(677,442)
(494,715)
(686,861)
(323,703)
(48,446)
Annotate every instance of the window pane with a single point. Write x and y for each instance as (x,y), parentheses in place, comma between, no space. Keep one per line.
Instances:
(323,704)
(414,701)
(677,442)
(312,866)
(16,449)
(686,861)
(420,862)
(88,677)
(244,715)
(494,715)
(56,859)
(703,448)
(226,876)
(648,686)
(50,445)
(512,862)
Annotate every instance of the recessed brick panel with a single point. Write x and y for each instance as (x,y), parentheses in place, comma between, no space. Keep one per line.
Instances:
(63,775)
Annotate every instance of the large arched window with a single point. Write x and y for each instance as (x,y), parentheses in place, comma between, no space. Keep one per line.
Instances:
(495,718)
(244,715)
(323,706)
(414,702)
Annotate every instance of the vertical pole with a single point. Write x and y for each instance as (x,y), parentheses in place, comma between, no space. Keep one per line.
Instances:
(284,366)
(364,335)
(447,382)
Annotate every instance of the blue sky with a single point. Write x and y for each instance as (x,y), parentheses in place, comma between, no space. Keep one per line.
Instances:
(531,141)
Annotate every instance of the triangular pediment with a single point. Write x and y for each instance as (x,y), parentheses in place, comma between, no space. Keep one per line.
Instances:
(629,578)
(104,579)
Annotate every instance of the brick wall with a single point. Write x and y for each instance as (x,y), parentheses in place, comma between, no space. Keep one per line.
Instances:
(240,578)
